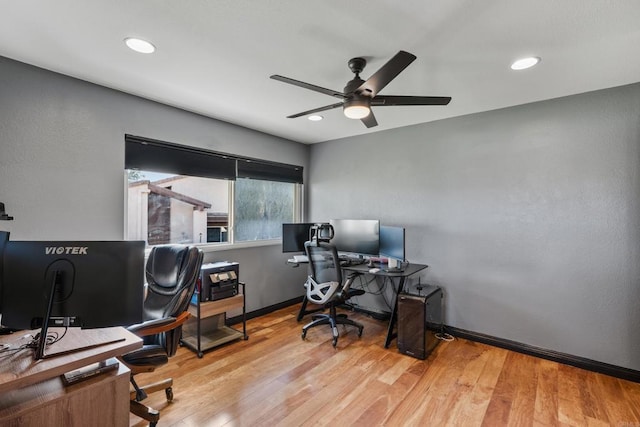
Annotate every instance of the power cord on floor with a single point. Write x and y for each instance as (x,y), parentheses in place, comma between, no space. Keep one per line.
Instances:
(443,335)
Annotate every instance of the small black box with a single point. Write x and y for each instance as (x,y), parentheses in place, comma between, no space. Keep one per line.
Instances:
(419,318)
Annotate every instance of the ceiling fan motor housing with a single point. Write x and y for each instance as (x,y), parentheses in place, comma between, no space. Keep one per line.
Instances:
(357,65)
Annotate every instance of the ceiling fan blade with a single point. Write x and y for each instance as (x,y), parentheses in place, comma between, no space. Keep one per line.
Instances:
(391,100)
(385,74)
(370,121)
(309,86)
(316,110)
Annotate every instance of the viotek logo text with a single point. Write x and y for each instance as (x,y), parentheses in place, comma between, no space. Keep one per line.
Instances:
(67,250)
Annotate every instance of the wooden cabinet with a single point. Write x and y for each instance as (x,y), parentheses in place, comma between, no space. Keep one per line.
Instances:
(32,392)
(206,328)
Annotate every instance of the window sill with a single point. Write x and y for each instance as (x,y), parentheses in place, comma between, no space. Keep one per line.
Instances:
(220,247)
(238,245)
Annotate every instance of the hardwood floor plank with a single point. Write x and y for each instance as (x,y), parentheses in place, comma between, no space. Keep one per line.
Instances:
(617,411)
(482,374)
(525,381)
(546,401)
(277,379)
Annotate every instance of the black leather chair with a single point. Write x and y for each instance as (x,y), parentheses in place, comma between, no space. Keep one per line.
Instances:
(325,287)
(171,273)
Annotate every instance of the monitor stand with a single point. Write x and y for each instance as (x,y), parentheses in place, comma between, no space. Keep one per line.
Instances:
(42,340)
(393,266)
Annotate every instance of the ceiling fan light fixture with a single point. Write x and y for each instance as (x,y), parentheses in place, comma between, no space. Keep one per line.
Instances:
(358,95)
(315,118)
(356,109)
(524,63)
(139,45)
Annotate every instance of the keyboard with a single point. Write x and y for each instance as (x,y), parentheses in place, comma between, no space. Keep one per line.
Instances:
(301,258)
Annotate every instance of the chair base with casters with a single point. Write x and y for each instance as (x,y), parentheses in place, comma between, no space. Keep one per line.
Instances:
(147,359)
(333,319)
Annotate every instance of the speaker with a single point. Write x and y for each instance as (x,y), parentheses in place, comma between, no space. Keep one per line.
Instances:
(419,318)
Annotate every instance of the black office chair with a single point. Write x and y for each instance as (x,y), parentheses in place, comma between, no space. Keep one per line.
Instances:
(171,273)
(325,287)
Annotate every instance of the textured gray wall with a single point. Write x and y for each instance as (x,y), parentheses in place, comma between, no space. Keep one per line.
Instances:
(529,217)
(62,164)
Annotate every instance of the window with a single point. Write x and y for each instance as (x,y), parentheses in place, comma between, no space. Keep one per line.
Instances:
(168,208)
(260,208)
(179,194)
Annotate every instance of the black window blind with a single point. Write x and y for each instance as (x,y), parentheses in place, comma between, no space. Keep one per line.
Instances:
(159,156)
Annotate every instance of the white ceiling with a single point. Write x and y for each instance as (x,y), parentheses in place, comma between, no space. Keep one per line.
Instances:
(214,57)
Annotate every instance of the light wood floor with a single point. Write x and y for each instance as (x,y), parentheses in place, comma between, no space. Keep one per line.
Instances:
(276,379)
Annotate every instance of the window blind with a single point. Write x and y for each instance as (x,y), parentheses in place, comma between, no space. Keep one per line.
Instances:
(160,156)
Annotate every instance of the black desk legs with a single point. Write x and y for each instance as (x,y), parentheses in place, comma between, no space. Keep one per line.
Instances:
(394,315)
(303,309)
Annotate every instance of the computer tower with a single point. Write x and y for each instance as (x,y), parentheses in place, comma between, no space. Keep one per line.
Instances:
(419,319)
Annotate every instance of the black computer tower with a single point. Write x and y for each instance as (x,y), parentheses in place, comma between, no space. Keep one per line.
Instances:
(419,319)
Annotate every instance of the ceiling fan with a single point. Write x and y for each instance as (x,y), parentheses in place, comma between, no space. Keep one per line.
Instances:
(359,95)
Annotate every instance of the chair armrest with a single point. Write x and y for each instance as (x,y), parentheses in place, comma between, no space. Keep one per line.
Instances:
(343,293)
(156,326)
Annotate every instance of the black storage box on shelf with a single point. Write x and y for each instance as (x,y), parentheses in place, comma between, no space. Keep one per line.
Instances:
(218,280)
(419,319)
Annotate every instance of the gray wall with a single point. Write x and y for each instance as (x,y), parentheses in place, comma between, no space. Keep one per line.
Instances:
(62,165)
(529,217)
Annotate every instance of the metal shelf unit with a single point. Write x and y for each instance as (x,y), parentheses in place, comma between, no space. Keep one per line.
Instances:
(207,328)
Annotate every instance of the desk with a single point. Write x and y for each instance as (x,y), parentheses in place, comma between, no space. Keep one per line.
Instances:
(402,275)
(32,393)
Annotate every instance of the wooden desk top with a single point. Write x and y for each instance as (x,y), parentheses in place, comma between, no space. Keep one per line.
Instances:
(19,368)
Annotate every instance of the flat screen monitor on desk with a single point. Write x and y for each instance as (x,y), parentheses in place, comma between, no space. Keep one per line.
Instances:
(90,284)
(4,238)
(392,245)
(294,235)
(356,236)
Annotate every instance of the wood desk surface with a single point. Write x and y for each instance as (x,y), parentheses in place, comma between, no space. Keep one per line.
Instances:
(19,368)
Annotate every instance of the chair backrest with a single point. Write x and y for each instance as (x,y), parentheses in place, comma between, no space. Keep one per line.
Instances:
(325,269)
(323,261)
(172,272)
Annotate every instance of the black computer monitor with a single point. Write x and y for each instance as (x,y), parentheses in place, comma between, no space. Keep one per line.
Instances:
(392,242)
(294,235)
(4,238)
(358,236)
(90,284)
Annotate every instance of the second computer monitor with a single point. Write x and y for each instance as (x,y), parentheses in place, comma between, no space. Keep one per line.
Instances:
(392,242)
(358,236)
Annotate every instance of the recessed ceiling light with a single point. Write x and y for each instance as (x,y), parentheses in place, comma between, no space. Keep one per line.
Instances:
(139,45)
(315,118)
(524,63)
